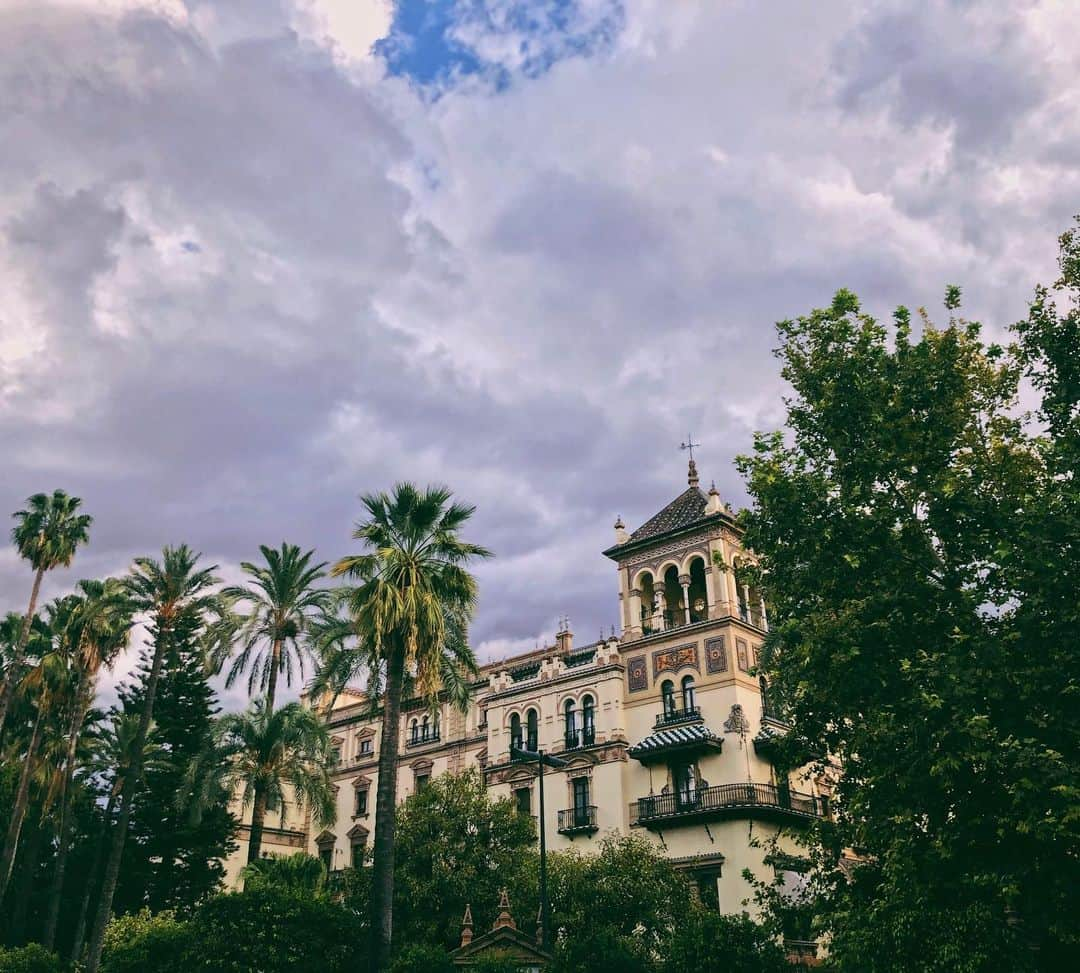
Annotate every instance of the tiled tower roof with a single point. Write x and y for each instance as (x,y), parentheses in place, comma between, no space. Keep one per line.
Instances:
(687,508)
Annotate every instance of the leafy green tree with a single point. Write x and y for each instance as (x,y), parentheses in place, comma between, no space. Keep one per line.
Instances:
(919,544)
(619,904)
(281,754)
(411,606)
(707,942)
(29,959)
(175,594)
(455,847)
(173,858)
(46,534)
(269,929)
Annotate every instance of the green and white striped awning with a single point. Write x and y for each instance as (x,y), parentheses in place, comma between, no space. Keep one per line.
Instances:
(675,739)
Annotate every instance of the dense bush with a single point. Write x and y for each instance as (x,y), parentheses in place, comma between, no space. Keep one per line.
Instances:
(707,942)
(30,959)
(268,929)
(421,958)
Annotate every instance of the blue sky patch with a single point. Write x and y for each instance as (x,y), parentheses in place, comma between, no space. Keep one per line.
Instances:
(436,42)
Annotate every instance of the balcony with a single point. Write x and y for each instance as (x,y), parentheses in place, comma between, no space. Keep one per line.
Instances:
(724,800)
(673,714)
(422,739)
(529,743)
(585,737)
(578,820)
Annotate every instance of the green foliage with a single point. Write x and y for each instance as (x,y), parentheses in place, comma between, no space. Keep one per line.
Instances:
(496,962)
(297,873)
(920,545)
(172,858)
(269,929)
(275,931)
(138,942)
(50,529)
(456,846)
(30,959)
(707,942)
(421,958)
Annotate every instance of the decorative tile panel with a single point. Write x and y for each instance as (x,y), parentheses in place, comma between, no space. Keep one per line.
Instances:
(715,655)
(743,654)
(637,674)
(676,658)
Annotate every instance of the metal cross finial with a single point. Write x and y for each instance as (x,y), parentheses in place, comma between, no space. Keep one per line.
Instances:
(690,445)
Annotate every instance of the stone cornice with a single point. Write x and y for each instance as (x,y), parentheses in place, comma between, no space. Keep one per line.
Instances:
(531,687)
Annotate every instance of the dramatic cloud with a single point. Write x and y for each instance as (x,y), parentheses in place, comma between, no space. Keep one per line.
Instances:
(258,257)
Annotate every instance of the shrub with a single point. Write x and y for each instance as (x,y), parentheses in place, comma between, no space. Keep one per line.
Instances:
(30,959)
(421,958)
(142,943)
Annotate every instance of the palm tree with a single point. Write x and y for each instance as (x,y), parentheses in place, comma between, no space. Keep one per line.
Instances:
(46,534)
(47,685)
(174,594)
(111,754)
(263,753)
(282,598)
(101,623)
(411,607)
(297,873)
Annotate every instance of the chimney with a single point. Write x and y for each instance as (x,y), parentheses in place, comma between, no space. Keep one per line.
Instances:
(564,639)
(621,536)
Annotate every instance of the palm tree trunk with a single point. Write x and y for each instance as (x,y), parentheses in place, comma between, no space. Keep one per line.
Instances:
(22,797)
(53,915)
(129,788)
(26,867)
(382,889)
(271,682)
(258,807)
(11,676)
(92,879)
(258,816)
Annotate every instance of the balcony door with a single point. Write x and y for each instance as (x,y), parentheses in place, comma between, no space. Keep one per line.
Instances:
(686,787)
(581,801)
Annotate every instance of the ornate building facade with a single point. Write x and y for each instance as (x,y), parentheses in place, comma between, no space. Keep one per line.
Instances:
(665,729)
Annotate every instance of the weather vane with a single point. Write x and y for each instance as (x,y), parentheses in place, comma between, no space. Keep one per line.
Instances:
(690,445)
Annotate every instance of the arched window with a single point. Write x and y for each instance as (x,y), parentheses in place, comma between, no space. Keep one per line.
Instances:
(588,720)
(688,693)
(571,724)
(667,693)
(531,721)
(699,594)
(425,732)
(515,731)
(648,601)
(414,731)
(435,727)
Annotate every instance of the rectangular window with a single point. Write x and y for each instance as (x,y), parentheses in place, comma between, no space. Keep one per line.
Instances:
(422,781)
(273,803)
(326,855)
(523,800)
(366,747)
(335,756)
(581,801)
(358,850)
(361,802)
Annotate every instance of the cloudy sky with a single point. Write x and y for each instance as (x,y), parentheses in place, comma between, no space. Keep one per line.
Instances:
(258,256)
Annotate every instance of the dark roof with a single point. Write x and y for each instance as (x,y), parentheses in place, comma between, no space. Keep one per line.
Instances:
(687,508)
(677,737)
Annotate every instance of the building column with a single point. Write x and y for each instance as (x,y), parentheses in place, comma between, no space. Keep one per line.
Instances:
(659,605)
(634,627)
(684,583)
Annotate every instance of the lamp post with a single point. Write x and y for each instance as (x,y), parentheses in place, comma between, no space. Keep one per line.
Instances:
(542,759)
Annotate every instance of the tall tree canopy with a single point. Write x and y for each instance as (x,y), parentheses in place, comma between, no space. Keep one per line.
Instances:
(410,609)
(920,545)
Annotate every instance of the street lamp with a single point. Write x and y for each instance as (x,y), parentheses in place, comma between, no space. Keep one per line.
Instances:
(542,759)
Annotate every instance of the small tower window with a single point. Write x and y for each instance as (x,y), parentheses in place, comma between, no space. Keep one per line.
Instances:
(515,731)
(532,721)
(571,724)
(588,721)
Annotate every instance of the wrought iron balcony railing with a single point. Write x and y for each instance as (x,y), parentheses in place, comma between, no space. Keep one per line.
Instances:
(725,800)
(578,820)
(584,737)
(419,739)
(677,714)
